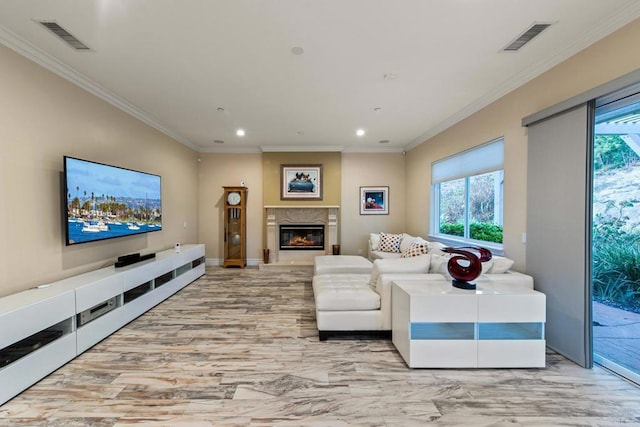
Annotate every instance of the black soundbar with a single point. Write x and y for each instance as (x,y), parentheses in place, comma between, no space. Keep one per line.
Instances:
(129,257)
(125,260)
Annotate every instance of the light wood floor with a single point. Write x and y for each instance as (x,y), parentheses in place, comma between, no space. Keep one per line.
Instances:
(239,347)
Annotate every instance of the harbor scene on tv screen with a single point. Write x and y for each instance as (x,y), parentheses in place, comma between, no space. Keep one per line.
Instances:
(104,202)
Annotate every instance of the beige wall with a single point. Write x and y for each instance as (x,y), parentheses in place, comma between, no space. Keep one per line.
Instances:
(600,63)
(216,171)
(370,170)
(42,118)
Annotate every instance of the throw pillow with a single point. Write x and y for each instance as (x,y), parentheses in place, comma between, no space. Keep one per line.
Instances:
(406,241)
(415,249)
(487,266)
(500,265)
(435,248)
(390,242)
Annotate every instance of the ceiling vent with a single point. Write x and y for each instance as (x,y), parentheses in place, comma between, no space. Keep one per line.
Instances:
(526,37)
(64,35)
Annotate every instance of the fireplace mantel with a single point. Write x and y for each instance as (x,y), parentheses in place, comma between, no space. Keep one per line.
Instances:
(304,214)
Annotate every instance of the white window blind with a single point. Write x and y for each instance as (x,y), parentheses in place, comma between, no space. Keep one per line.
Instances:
(485,158)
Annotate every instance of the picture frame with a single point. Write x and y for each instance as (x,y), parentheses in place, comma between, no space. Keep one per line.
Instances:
(374,200)
(300,182)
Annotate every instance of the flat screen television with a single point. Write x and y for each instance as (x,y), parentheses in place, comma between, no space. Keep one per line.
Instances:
(104,202)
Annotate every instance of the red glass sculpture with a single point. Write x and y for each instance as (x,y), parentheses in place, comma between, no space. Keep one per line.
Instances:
(466,272)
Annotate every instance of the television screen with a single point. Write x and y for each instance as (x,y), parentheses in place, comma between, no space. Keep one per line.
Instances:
(103,202)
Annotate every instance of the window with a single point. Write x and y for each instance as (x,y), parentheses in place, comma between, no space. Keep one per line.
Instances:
(467,191)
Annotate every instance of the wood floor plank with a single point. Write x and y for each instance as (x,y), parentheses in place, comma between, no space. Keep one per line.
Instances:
(239,347)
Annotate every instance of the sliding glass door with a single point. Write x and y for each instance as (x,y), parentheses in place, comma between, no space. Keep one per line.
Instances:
(616,236)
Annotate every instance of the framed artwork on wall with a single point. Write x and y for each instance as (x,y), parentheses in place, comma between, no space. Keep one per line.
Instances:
(301,182)
(374,200)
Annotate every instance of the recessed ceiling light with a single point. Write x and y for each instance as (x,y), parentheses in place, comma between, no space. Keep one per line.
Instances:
(218,141)
(384,141)
(297,50)
(360,132)
(240,132)
(390,76)
(377,109)
(300,132)
(220,109)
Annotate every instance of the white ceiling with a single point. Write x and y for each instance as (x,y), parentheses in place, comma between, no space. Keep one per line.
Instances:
(425,63)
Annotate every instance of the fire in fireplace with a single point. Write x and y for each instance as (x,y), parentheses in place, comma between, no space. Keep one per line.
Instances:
(301,237)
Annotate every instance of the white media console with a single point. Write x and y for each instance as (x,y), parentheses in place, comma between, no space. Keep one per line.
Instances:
(45,327)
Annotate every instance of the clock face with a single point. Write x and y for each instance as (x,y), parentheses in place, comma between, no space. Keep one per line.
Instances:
(233,198)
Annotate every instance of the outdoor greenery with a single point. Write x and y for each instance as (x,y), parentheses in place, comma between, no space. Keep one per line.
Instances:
(616,241)
(481,207)
(611,152)
(477,230)
(486,231)
(455,229)
(616,260)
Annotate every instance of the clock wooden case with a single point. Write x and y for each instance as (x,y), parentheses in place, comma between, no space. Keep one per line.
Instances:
(235,226)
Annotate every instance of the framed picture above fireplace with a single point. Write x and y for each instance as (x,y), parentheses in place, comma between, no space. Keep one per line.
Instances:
(301,182)
(374,200)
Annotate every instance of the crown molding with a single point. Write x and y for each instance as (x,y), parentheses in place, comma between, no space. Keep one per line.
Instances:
(31,52)
(374,150)
(300,148)
(297,149)
(229,150)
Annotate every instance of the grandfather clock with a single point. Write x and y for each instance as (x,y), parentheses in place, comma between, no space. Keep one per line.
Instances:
(235,226)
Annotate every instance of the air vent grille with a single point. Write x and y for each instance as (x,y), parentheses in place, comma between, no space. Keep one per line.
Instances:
(64,35)
(526,37)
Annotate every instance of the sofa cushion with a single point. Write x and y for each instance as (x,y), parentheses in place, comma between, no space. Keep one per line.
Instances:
(337,264)
(415,249)
(384,255)
(390,242)
(344,292)
(413,265)
(374,239)
(438,263)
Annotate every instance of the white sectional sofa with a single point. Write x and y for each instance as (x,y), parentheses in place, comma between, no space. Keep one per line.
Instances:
(348,303)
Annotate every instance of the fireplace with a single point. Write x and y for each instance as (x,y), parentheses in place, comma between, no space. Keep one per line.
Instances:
(325,217)
(301,237)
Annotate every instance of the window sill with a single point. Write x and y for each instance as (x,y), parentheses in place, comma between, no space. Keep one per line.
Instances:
(495,248)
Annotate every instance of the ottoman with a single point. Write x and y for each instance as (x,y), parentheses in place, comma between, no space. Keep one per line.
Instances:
(346,304)
(341,264)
